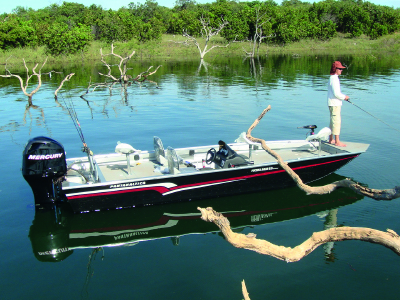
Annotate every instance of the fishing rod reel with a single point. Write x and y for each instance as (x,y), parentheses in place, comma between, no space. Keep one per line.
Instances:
(93,170)
(86,149)
(311,127)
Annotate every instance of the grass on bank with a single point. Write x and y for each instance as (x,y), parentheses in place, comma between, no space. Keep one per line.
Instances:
(169,48)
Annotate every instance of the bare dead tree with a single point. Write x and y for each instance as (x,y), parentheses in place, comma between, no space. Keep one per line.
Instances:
(389,239)
(139,79)
(122,66)
(123,78)
(25,85)
(207,33)
(259,36)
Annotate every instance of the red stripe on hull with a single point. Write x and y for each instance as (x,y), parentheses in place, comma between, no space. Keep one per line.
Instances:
(162,189)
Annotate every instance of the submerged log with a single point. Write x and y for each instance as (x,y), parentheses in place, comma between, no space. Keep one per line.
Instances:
(389,239)
(376,194)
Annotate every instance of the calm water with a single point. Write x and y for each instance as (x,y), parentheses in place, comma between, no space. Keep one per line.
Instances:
(167,252)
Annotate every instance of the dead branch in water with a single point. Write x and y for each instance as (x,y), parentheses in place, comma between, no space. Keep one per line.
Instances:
(376,194)
(389,239)
(122,66)
(142,77)
(24,86)
(123,69)
(67,78)
(244,291)
(124,80)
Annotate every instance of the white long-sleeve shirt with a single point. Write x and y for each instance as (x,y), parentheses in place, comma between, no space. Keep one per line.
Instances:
(335,96)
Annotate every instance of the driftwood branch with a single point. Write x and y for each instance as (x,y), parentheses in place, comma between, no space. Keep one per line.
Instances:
(244,291)
(389,239)
(376,194)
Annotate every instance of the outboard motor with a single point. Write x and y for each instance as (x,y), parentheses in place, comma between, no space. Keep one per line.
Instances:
(43,163)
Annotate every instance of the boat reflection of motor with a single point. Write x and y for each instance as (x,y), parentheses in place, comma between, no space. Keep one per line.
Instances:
(49,234)
(56,233)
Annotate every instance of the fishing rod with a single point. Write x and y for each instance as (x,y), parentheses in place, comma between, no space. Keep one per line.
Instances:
(74,116)
(372,115)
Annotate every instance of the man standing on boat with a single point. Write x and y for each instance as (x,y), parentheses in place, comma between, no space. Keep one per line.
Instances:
(335,101)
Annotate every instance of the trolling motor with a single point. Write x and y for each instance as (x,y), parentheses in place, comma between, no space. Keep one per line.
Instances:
(311,127)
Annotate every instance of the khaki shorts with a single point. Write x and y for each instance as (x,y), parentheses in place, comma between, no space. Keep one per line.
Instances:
(336,119)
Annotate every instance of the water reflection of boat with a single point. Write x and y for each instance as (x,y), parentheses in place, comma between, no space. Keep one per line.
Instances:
(56,233)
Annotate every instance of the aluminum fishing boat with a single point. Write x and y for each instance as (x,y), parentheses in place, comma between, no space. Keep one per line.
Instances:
(129,177)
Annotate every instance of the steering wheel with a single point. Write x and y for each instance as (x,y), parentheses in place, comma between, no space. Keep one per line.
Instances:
(210,156)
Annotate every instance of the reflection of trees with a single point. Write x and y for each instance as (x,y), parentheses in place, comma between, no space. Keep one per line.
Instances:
(27,118)
(41,121)
(201,65)
(256,70)
(108,101)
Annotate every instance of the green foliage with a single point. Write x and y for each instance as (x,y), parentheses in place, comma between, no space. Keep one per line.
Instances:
(185,20)
(16,32)
(366,18)
(289,22)
(151,30)
(60,39)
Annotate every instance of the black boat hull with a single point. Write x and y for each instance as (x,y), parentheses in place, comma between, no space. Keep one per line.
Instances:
(202,185)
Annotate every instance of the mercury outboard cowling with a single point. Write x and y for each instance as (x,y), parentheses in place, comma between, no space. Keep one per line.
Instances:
(43,163)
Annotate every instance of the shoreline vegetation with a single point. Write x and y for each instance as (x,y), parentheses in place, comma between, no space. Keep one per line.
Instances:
(169,49)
